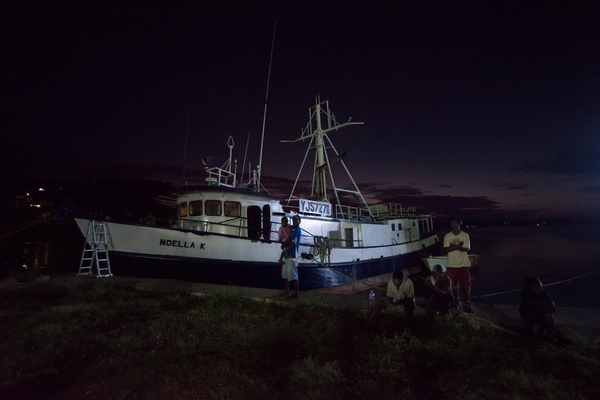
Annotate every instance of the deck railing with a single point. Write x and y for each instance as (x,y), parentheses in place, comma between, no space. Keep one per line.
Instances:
(351,213)
(391,210)
(220,177)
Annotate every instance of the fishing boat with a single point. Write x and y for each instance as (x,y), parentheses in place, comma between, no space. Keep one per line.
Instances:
(225,231)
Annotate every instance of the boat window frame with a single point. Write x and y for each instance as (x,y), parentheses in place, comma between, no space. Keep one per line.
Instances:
(207,208)
(193,206)
(238,209)
(183,209)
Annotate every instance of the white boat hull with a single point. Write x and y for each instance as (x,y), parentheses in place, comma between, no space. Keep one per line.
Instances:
(134,249)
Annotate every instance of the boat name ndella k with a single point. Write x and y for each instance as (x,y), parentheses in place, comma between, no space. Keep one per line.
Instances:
(227,232)
(177,243)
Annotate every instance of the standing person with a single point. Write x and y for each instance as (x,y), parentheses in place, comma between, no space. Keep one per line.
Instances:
(289,271)
(436,289)
(400,292)
(537,308)
(282,236)
(456,245)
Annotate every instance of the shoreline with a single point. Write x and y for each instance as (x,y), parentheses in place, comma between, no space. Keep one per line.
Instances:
(505,315)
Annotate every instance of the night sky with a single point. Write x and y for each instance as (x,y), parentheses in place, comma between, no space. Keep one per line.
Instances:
(487,109)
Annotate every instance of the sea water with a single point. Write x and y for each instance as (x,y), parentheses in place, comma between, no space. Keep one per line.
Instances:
(563,256)
(44,249)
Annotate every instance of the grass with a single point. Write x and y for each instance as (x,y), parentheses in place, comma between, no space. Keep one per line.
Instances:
(98,340)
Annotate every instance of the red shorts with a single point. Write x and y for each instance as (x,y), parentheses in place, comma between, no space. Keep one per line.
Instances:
(460,276)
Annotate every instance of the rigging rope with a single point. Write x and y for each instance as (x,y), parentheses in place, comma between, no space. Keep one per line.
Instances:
(549,284)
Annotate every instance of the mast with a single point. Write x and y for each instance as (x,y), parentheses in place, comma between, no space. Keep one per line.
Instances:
(187,129)
(319,141)
(319,185)
(262,140)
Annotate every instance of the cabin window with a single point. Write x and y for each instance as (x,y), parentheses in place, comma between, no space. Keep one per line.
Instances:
(212,207)
(393,227)
(399,227)
(232,209)
(414,223)
(195,208)
(183,209)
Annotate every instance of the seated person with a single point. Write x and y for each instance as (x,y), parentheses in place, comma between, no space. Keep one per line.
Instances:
(537,308)
(400,292)
(436,289)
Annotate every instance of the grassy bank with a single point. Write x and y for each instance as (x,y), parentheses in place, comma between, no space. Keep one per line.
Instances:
(98,340)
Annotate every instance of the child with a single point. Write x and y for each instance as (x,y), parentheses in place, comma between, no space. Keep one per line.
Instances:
(283,235)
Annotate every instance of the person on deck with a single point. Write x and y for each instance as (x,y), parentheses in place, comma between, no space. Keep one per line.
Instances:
(456,245)
(289,270)
(436,289)
(400,292)
(537,308)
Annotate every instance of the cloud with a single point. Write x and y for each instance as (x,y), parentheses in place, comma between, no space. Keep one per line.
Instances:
(385,191)
(425,202)
(510,186)
(530,195)
(569,162)
(470,208)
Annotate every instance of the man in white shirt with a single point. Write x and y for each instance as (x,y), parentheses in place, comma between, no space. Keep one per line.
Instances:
(456,245)
(400,292)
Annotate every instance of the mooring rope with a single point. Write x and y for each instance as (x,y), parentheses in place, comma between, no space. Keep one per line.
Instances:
(322,248)
(546,284)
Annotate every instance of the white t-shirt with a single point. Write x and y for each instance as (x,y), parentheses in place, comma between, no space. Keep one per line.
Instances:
(457,258)
(405,290)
